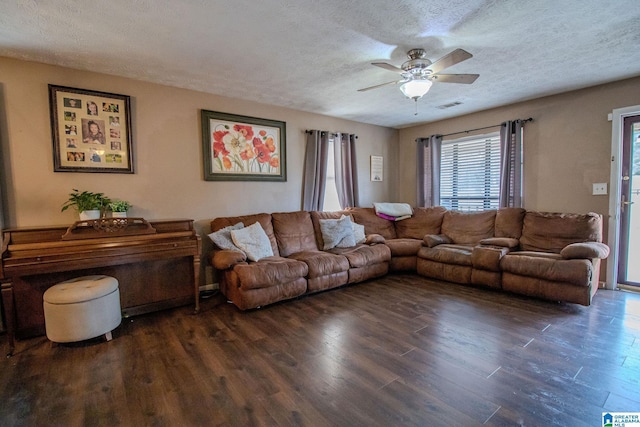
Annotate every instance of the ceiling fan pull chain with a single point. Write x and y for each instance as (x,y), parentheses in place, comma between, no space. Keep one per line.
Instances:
(416,113)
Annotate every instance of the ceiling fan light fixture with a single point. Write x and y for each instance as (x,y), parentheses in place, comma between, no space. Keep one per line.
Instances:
(416,88)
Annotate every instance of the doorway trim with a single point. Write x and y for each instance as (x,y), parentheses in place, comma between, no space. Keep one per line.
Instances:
(617,117)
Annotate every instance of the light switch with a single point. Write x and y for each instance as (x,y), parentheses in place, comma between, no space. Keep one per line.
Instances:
(600,188)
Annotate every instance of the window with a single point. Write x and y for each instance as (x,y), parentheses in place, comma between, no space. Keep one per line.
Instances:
(470,173)
(331,200)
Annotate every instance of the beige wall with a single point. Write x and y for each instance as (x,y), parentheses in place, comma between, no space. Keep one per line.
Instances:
(566,148)
(168,181)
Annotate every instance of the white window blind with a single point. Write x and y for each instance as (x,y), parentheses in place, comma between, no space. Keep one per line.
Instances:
(470,173)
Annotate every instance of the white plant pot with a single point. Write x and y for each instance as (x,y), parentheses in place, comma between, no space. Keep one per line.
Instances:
(118,214)
(87,215)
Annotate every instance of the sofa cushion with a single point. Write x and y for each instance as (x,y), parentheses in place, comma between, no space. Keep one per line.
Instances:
(448,254)
(373,224)
(294,232)
(322,263)
(222,237)
(504,242)
(574,271)
(424,221)
(253,241)
(537,254)
(468,227)
(551,232)
(268,272)
(263,218)
(364,255)
(509,222)
(337,233)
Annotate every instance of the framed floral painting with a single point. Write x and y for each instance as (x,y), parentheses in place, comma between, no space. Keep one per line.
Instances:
(241,148)
(91,131)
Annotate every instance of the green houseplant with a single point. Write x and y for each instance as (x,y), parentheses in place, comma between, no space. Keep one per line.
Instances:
(119,208)
(88,204)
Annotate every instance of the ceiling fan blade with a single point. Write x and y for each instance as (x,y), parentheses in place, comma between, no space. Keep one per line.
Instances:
(380,85)
(450,59)
(388,67)
(456,78)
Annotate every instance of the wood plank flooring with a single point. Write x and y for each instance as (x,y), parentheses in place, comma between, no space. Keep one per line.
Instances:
(398,351)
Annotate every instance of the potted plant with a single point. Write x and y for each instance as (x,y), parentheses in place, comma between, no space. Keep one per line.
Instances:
(88,204)
(119,208)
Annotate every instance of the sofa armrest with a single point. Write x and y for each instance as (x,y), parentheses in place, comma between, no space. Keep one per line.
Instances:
(433,240)
(488,257)
(587,250)
(503,242)
(226,258)
(372,239)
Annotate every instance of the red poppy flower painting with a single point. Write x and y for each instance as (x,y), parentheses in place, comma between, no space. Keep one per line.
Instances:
(243,148)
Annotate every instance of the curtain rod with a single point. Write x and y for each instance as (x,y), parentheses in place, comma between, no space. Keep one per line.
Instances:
(530,119)
(322,131)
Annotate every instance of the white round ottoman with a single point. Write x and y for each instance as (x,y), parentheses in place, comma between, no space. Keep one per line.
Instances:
(82,308)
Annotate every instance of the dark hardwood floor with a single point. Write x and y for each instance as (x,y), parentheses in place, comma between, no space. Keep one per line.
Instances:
(399,351)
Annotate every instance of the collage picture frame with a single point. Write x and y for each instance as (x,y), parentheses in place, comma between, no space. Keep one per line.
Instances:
(91,131)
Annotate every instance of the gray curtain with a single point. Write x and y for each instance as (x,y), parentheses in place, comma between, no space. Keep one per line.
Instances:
(315,170)
(428,170)
(511,164)
(346,171)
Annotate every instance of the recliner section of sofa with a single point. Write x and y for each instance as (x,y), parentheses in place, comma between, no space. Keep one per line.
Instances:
(297,240)
(544,255)
(299,265)
(253,284)
(404,238)
(452,261)
(559,257)
(470,246)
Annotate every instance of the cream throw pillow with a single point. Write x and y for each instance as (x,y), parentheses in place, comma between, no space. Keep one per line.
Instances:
(253,241)
(337,233)
(358,232)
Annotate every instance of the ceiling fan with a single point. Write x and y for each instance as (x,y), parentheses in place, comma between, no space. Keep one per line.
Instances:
(418,73)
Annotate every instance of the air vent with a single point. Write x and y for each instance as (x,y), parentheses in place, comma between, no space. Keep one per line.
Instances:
(452,104)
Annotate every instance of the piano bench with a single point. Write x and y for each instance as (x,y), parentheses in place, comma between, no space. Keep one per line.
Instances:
(82,308)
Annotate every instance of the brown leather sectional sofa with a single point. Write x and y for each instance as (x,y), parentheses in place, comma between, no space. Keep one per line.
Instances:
(545,255)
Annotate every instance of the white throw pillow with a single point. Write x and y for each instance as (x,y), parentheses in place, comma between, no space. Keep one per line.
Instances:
(337,233)
(253,241)
(222,237)
(358,232)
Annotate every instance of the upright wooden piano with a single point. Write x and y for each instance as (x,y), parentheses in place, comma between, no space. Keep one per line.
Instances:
(157,264)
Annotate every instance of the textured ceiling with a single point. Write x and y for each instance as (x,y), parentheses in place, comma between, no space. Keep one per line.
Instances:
(313,55)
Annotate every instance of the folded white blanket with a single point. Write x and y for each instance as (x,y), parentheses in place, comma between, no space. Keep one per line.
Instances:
(393,209)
